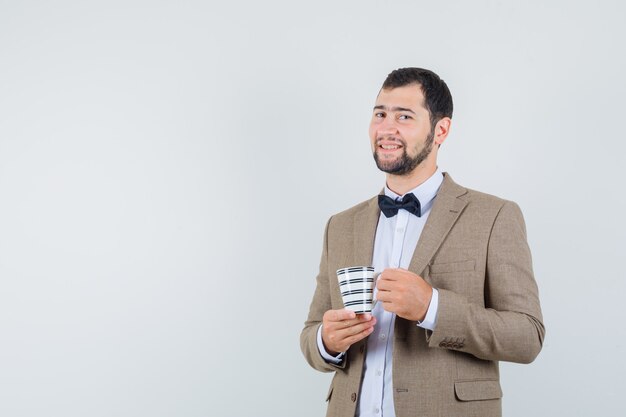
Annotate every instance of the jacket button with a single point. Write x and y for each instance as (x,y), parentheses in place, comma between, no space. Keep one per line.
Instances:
(353,397)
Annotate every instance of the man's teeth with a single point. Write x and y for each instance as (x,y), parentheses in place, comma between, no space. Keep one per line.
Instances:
(389,147)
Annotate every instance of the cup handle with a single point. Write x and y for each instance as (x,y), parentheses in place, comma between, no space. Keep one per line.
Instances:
(374,301)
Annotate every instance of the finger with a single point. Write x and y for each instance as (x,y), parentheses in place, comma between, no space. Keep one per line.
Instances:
(390,307)
(385,285)
(334,326)
(359,336)
(389,274)
(360,318)
(382,296)
(348,332)
(340,315)
(399,273)
(365,316)
(393,270)
(388,286)
(340,340)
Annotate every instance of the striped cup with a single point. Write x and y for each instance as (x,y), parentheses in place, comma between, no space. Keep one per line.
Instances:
(356,284)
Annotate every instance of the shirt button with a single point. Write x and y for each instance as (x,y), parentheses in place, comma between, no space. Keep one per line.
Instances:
(377,410)
(379,372)
(382,336)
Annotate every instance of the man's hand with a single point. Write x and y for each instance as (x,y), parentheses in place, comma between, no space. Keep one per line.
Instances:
(404,293)
(343,328)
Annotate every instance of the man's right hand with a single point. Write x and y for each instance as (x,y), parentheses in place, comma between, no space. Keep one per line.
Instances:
(342,328)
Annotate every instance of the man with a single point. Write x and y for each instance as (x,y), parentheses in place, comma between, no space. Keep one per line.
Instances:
(456,293)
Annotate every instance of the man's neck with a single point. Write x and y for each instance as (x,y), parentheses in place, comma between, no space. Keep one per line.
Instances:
(402,184)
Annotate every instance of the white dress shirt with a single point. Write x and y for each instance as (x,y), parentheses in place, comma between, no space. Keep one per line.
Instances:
(395,242)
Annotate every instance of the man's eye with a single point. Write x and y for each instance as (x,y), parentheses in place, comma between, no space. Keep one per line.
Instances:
(379,114)
(404,117)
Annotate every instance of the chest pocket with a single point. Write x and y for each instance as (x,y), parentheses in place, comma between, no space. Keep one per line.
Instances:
(454,276)
(451,267)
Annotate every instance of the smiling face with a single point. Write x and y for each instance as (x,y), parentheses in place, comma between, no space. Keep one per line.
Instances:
(400,131)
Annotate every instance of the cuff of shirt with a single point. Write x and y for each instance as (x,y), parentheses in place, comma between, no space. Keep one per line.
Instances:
(430,321)
(320,346)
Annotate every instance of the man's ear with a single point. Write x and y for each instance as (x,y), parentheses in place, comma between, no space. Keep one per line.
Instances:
(442,128)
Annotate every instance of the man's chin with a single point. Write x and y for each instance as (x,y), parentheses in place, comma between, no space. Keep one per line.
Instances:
(388,160)
(390,168)
(388,165)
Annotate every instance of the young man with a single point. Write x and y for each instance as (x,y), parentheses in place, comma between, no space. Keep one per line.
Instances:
(456,293)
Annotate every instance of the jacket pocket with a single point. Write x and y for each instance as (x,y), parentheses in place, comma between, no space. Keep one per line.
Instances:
(460,266)
(475,390)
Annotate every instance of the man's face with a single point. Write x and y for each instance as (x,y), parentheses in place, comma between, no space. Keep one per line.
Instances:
(400,130)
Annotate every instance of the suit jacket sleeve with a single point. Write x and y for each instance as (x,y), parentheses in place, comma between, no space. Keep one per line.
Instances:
(508,326)
(320,304)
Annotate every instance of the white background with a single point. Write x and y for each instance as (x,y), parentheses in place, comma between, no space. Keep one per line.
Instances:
(167,168)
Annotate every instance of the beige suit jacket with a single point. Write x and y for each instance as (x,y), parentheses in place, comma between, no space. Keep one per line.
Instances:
(473,249)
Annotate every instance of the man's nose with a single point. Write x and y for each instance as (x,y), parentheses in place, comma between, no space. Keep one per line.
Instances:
(387,127)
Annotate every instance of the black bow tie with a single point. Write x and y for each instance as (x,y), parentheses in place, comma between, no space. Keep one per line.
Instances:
(390,207)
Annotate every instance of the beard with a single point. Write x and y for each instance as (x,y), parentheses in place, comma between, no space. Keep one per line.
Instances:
(405,164)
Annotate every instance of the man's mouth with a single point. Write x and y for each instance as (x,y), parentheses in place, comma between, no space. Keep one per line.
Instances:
(389,147)
(385,146)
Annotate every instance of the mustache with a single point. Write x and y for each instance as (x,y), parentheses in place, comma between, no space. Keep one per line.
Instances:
(399,141)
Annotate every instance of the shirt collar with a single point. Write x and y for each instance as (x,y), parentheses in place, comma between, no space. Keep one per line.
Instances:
(425,192)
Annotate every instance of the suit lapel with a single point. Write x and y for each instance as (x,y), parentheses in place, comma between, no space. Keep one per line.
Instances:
(365,224)
(445,211)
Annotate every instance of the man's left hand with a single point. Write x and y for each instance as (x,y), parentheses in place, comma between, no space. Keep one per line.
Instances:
(404,293)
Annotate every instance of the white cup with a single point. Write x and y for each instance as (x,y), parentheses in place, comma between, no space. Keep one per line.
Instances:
(356,284)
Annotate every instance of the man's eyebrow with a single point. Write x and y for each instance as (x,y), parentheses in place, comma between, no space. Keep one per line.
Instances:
(381,107)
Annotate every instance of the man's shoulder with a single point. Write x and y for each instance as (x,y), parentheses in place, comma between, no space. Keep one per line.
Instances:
(481,198)
(487,205)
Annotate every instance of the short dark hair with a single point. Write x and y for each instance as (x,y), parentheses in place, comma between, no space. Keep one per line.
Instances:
(437,97)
